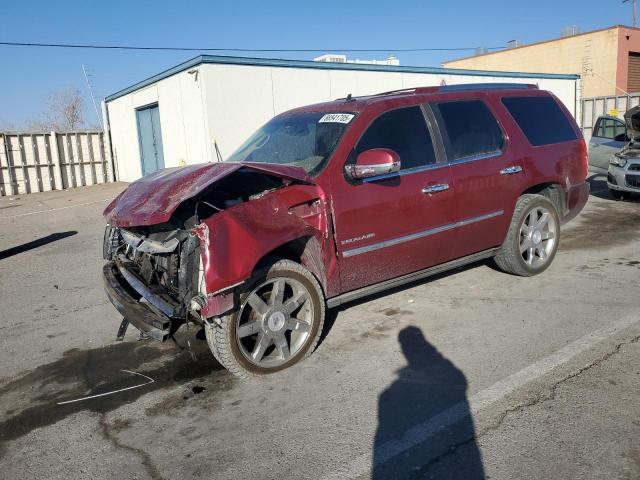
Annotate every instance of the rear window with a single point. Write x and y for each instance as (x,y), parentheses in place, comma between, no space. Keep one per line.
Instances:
(468,128)
(541,119)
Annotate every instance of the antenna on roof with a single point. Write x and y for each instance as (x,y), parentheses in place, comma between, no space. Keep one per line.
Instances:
(93,97)
(635,10)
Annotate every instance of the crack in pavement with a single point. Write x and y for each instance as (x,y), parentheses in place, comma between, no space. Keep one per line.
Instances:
(108,434)
(551,390)
(547,395)
(147,462)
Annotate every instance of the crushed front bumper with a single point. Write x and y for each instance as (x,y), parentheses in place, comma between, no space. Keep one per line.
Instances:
(141,308)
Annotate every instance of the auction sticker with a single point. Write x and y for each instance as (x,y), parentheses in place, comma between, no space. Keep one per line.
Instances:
(336,118)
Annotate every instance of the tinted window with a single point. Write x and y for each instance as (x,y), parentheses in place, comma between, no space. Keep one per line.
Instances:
(468,128)
(541,119)
(404,131)
(610,128)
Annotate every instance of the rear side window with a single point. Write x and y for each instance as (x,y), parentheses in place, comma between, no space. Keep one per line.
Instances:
(468,128)
(541,119)
(404,131)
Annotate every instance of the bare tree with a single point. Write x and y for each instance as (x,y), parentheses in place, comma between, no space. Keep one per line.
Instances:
(66,110)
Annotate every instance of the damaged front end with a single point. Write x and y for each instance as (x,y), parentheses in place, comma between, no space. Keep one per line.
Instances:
(152,277)
(163,270)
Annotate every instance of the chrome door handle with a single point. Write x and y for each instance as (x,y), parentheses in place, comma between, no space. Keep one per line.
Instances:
(440,187)
(511,170)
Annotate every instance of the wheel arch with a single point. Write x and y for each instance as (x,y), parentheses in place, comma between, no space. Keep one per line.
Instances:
(305,250)
(553,191)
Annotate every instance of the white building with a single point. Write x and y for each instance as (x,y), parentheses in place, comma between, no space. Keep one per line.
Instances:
(181,115)
(337,58)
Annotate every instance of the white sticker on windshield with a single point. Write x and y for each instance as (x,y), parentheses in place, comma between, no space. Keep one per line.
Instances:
(336,118)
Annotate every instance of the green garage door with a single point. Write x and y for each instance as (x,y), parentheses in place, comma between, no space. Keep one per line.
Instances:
(150,139)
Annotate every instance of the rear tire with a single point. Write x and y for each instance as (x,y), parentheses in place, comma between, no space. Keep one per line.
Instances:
(277,324)
(532,239)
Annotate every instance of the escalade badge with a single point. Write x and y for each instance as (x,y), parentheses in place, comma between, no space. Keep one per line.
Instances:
(357,239)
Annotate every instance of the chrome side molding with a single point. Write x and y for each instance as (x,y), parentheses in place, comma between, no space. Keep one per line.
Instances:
(414,236)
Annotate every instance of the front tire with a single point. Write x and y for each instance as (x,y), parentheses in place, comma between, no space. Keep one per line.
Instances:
(277,324)
(532,239)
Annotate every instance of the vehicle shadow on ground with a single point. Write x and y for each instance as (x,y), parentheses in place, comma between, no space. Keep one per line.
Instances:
(25,247)
(31,401)
(430,392)
(332,314)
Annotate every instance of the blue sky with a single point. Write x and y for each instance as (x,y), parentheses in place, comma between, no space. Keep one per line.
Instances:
(28,75)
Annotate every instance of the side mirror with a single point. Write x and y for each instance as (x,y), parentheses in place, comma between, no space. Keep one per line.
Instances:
(374,162)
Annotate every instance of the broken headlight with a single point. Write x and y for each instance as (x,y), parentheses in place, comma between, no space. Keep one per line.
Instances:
(110,242)
(617,160)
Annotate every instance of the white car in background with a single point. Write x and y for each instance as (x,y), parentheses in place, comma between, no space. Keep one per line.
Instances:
(623,174)
(609,137)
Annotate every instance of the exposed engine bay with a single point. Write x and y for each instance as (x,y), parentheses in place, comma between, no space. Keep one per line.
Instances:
(167,261)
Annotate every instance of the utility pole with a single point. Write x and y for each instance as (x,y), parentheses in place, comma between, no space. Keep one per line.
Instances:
(635,10)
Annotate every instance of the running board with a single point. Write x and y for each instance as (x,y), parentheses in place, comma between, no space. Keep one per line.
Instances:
(411,277)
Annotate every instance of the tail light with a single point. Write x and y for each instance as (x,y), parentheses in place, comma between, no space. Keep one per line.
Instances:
(584,157)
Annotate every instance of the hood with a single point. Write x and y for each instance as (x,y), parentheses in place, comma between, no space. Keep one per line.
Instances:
(153,199)
(632,118)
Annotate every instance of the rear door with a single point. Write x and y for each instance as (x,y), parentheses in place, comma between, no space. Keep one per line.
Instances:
(398,223)
(486,175)
(609,136)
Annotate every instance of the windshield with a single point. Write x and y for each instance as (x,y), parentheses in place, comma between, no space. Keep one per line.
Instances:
(305,140)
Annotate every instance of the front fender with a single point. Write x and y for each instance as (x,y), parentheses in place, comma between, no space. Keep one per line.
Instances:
(232,242)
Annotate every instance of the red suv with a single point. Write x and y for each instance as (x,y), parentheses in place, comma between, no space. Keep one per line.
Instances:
(332,202)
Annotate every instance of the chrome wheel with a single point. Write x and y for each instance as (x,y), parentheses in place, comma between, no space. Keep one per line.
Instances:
(274,322)
(538,234)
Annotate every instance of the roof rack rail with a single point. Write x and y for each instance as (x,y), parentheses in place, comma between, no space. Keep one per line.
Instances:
(487,86)
(449,88)
(393,92)
(408,90)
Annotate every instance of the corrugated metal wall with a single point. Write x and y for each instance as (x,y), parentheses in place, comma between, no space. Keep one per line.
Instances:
(633,73)
(39,162)
(592,108)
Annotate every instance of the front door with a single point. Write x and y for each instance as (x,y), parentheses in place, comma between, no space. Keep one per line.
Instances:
(609,136)
(397,223)
(150,139)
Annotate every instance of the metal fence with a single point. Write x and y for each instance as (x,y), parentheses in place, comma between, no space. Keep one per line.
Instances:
(594,107)
(39,162)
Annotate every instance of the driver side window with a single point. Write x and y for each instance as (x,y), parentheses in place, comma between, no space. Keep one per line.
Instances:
(403,130)
(610,128)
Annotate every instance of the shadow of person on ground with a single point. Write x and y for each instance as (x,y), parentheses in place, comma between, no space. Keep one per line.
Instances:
(25,247)
(425,429)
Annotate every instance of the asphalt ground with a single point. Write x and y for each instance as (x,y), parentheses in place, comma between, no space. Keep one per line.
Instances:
(471,374)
